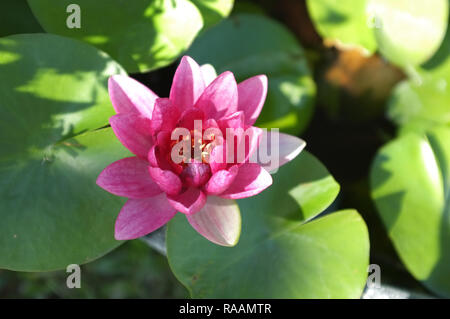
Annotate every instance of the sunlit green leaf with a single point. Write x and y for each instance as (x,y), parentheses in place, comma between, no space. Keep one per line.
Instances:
(410,182)
(422,101)
(213,10)
(141,34)
(418,106)
(52,212)
(281,254)
(343,22)
(408,32)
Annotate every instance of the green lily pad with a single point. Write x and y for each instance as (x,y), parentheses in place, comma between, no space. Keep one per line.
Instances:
(409,32)
(281,253)
(439,64)
(421,102)
(213,11)
(16,17)
(141,35)
(417,106)
(248,45)
(410,181)
(52,212)
(343,23)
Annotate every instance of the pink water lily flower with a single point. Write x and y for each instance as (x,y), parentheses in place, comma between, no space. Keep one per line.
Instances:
(205,186)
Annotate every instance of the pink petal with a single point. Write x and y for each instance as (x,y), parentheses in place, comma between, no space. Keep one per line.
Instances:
(210,123)
(156,159)
(133,130)
(251,179)
(140,217)
(220,97)
(218,221)
(129,96)
(248,144)
(217,159)
(165,116)
(209,73)
(277,149)
(252,94)
(166,180)
(159,154)
(221,180)
(128,177)
(153,156)
(189,202)
(189,116)
(163,140)
(196,174)
(234,121)
(187,84)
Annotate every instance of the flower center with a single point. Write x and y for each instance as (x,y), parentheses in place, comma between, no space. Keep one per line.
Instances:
(198,150)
